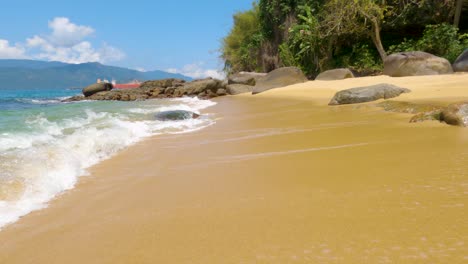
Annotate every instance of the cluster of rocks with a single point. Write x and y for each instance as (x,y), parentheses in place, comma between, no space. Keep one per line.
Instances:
(251,82)
(167,88)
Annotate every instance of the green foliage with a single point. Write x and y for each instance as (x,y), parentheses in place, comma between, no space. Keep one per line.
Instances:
(441,40)
(316,35)
(304,41)
(240,47)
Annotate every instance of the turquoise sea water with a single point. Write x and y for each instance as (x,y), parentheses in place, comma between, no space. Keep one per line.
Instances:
(46,145)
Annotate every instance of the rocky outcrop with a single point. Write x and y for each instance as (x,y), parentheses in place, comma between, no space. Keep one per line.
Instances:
(96,88)
(415,63)
(163,83)
(461,63)
(336,74)
(246,78)
(367,94)
(234,89)
(168,88)
(176,115)
(279,78)
(456,114)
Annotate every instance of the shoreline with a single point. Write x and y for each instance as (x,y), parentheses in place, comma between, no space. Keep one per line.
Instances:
(277,179)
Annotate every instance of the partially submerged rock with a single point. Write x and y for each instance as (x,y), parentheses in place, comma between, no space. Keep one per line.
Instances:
(336,74)
(176,115)
(234,89)
(279,78)
(456,114)
(367,94)
(422,112)
(246,78)
(97,87)
(415,63)
(461,63)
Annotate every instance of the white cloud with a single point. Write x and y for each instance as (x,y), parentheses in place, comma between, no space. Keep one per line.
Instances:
(197,71)
(66,43)
(66,34)
(11,52)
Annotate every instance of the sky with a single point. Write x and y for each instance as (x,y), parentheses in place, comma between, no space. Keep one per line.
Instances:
(179,36)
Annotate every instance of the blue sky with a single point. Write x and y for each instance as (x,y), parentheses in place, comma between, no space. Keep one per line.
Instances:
(179,35)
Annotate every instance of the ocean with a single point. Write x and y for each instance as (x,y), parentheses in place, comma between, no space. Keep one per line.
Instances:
(46,145)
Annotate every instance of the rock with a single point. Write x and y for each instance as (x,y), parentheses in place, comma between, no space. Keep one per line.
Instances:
(336,74)
(221,92)
(367,94)
(415,63)
(408,107)
(461,63)
(95,88)
(456,114)
(239,89)
(175,115)
(246,78)
(199,86)
(279,78)
(165,83)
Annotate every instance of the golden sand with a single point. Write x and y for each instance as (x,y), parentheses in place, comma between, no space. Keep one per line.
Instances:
(275,180)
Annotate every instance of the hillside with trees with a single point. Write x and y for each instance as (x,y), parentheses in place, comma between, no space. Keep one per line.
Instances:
(317,35)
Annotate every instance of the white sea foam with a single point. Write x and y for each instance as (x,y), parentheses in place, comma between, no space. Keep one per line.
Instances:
(48,161)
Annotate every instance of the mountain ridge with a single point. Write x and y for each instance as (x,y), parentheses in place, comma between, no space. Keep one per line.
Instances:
(33,74)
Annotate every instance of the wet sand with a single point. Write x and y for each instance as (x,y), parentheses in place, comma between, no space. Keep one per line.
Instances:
(280,178)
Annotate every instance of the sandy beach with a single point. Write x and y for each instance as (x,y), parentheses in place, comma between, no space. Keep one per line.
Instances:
(280,178)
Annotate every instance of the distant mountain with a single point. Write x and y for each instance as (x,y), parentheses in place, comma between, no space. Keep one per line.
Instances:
(30,74)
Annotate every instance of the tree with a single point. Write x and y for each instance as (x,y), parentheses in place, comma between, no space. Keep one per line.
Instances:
(355,17)
(458,10)
(240,48)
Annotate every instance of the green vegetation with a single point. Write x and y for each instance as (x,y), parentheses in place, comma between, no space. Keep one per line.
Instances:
(316,35)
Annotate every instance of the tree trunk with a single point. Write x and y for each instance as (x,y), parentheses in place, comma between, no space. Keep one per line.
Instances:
(375,35)
(458,10)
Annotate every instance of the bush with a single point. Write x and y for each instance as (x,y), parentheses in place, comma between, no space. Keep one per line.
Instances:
(441,40)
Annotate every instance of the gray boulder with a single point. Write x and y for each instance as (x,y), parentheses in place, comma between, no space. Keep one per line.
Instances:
(415,63)
(246,78)
(96,88)
(336,74)
(199,86)
(367,94)
(461,63)
(239,89)
(176,115)
(279,78)
(456,114)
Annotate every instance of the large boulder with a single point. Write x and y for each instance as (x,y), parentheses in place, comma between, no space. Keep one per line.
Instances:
(176,115)
(234,89)
(279,78)
(456,114)
(336,74)
(200,86)
(96,88)
(415,63)
(367,94)
(246,78)
(461,63)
